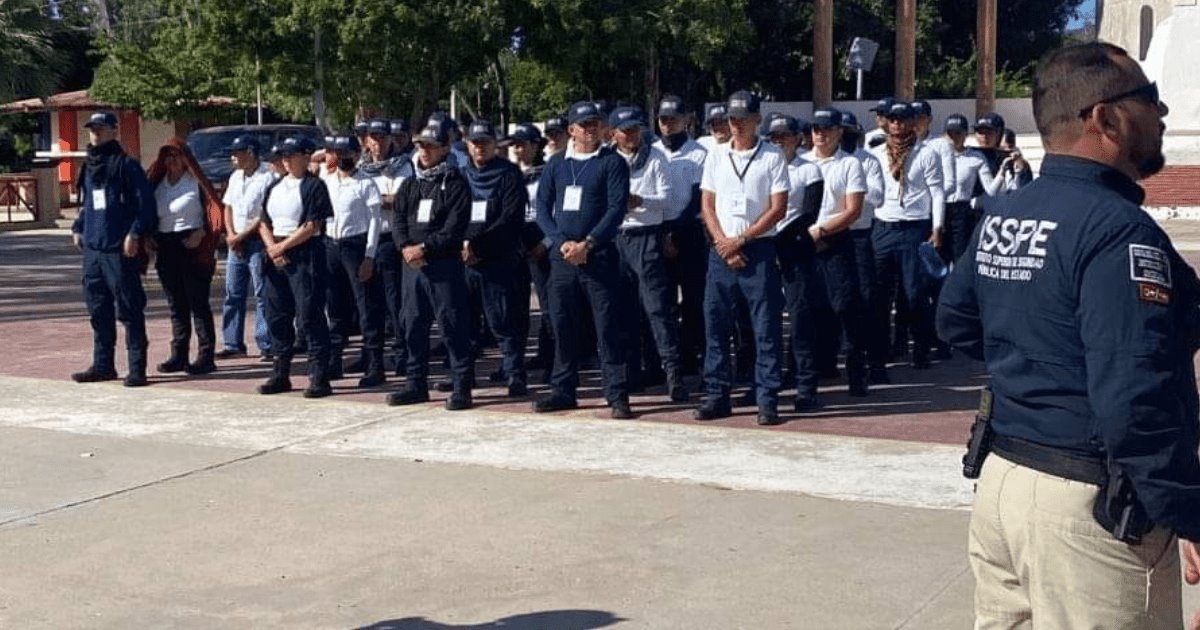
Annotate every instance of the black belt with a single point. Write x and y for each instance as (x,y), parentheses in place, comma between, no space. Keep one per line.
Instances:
(1050,460)
(641,229)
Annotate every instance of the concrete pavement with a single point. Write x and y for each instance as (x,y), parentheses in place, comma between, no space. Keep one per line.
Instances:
(194,504)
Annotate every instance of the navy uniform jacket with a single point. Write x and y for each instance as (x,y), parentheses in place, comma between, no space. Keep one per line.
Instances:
(1087,319)
(500,185)
(129,206)
(443,230)
(605,198)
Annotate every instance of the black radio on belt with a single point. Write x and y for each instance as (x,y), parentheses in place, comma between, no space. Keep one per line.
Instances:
(980,443)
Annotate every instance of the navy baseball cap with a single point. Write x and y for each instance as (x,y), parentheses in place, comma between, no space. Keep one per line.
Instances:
(883,105)
(626,117)
(344,144)
(671,106)
(525,132)
(274,153)
(399,126)
(360,128)
(850,121)
(102,119)
(558,123)
(435,132)
(715,113)
(444,120)
(481,129)
(244,143)
(990,120)
(956,123)
(294,145)
(583,111)
(900,110)
(826,117)
(781,123)
(379,126)
(922,108)
(742,104)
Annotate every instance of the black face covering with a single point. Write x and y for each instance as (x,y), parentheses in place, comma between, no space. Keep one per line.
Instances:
(675,140)
(346,163)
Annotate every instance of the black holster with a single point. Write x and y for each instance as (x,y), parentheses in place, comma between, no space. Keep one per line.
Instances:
(1117,509)
(980,443)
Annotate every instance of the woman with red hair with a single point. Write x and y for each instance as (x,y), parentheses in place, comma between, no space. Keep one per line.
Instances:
(189,225)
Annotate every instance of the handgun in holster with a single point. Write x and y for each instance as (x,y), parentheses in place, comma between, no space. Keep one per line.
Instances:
(980,443)
(1117,509)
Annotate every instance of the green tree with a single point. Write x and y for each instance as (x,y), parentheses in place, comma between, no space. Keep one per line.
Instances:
(29,63)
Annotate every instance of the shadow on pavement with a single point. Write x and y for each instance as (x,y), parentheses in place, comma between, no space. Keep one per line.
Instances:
(545,620)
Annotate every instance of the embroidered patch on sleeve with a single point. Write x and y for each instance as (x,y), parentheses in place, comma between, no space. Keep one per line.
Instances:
(1153,293)
(1149,264)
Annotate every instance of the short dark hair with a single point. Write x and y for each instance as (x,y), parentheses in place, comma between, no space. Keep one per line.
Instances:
(1070,79)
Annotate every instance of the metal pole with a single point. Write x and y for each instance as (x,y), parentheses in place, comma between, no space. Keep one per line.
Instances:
(258,87)
(454,103)
(858,88)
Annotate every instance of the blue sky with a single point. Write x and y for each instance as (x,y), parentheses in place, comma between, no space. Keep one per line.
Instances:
(1086,10)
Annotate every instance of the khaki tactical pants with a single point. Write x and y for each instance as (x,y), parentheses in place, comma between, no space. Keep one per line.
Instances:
(1041,562)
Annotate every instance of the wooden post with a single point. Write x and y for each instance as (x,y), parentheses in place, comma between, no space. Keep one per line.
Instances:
(985,35)
(823,54)
(906,49)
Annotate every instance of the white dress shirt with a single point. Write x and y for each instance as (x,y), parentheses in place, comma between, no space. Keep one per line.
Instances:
(923,196)
(944,149)
(874,198)
(685,168)
(971,166)
(244,195)
(651,184)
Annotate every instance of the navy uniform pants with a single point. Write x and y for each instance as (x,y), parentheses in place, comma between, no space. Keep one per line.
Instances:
(438,291)
(760,285)
(497,282)
(646,282)
(864,264)
(296,295)
(798,271)
(598,279)
(896,258)
(837,289)
(357,301)
(112,290)
(688,274)
(389,266)
(187,283)
(960,226)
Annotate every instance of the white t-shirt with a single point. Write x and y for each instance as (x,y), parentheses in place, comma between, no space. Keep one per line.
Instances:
(651,184)
(179,206)
(685,167)
(923,199)
(388,182)
(285,207)
(356,201)
(971,166)
(244,195)
(742,200)
(843,175)
(801,175)
(708,143)
(874,173)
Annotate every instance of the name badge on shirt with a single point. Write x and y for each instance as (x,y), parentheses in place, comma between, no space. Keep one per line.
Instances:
(479,211)
(424,210)
(738,204)
(99,200)
(573,199)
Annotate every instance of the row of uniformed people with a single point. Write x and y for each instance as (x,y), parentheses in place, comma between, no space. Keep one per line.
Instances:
(642,226)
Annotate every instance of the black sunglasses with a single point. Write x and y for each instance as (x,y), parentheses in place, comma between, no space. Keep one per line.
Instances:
(1147,93)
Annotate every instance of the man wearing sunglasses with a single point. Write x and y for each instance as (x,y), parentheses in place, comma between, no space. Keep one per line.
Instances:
(1088,320)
